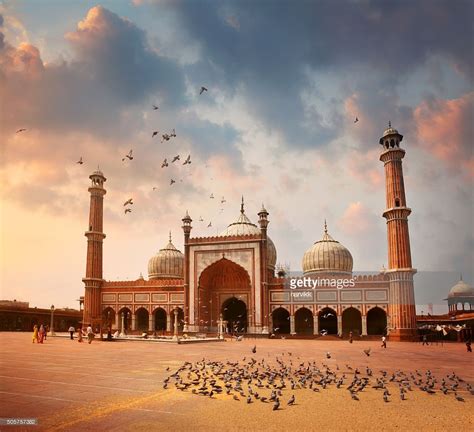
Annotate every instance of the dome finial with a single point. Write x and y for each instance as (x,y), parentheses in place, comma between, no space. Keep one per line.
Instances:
(242,205)
(460,276)
(325,227)
(170,235)
(389,124)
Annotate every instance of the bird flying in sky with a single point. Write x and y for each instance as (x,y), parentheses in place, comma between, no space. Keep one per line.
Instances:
(128,156)
(203,89)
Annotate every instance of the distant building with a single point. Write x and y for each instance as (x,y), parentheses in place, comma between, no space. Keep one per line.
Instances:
(458,323)
(18,316)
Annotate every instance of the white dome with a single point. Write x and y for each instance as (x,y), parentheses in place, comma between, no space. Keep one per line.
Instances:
(168,263)
(243,226)
(327,256)
(461,289)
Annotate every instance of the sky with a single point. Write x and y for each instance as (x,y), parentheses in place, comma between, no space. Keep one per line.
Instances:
(286,80)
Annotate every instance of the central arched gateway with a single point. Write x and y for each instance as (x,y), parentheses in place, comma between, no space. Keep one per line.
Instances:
(224,288)
(234,312)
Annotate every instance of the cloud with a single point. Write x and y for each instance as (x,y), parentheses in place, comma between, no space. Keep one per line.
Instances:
(356,220)
(113,69)
(116,53)
(278,42)
(445,130)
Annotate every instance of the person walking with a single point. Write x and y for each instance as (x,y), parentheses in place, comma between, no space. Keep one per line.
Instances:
(468,345)
(425,340)
(79,335)
(71,332)
(35,334)
(351,337)
(90,334)
(384,342)
(41,334)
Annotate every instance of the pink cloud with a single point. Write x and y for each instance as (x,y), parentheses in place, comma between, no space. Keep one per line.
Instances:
(361,166)
(444,129)
(356,220)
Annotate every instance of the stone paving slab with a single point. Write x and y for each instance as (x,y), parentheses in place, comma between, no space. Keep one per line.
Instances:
(103,386)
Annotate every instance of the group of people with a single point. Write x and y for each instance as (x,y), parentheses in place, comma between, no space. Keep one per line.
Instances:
(89,333)
(39,333)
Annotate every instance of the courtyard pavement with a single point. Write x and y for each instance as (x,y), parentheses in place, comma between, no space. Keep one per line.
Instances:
(118,386)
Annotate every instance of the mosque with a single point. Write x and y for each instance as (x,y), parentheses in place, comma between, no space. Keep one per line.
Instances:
(233,277)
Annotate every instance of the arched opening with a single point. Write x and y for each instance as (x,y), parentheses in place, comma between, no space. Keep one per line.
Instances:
(108,318)
(221,280)
(281,321)
(392,143)
(234,312)
(397,202)
(304,321)
(387,144)
(125,319)
(376,321)
(142,317)
(351,322)
(459,307)
(160,319)
(328,321)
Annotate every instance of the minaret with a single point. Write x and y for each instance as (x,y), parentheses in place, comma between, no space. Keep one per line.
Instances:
(95,236)
(188,319)
(402,314)
(263,222)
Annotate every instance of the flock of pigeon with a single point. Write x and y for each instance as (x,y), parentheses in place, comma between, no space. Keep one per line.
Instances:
(253,381)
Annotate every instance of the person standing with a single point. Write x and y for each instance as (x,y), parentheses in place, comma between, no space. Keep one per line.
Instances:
(35,334)
(468,345)
(384,342)
(41,334)
(79,335)
(425,341)
(71,332)
(351,337)
(90,334)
